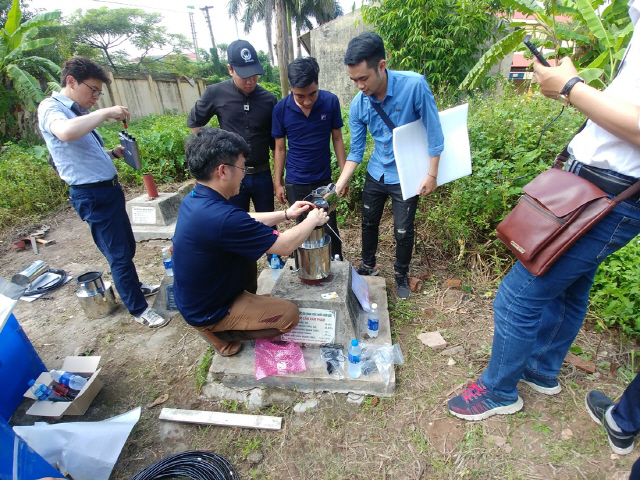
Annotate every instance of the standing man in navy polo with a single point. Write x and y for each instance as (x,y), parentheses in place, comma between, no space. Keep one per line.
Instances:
(81,160)
(243,107)
(404,97)
(308,118)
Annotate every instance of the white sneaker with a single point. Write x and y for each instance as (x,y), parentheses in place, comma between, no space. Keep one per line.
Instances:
(149,290)
(152,319)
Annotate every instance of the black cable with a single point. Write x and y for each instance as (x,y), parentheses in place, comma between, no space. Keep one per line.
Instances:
(195,465)
(49,287)
(501,178)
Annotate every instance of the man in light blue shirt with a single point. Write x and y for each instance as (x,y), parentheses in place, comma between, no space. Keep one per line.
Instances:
(81,160)
(404,97)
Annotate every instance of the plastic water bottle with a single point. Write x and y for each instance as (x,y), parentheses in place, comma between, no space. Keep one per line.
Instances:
(276,267)
(42,392)
(75,382)
(373,321)
(355,351)
(168,263)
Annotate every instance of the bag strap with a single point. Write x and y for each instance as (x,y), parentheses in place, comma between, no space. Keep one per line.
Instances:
(78,113)
(385,118)
(629,192)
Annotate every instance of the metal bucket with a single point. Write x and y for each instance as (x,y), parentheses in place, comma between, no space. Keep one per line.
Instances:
(96,297)
(29,274)
(91,282)
(313,259)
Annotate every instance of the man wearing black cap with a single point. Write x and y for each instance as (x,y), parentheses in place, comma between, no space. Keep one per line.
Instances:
(243,107)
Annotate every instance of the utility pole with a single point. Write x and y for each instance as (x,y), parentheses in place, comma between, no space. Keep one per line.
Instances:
(206,14)
(193,34)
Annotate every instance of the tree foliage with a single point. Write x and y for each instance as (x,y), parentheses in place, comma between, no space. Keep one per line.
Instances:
(438,38)
(106,30)
(597,41)
(17,85)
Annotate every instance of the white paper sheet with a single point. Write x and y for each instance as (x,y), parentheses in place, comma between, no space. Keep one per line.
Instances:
(410,147)
(86,450)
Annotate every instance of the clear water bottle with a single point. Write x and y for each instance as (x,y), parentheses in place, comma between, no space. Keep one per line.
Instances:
(167,261)
(355,351)
(373,321)
(42,392)
(276,267)
(75,382)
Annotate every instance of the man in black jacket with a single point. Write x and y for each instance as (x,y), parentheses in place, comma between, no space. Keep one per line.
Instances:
(243,107)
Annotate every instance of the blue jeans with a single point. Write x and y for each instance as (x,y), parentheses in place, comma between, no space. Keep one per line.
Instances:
(374,196)
(537,318)
(257,187)
(627,412)
(104,209)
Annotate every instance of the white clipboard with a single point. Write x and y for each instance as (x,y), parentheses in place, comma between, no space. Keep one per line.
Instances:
(410,147)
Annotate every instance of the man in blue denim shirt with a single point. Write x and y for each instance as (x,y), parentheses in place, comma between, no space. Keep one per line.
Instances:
(81,160)
(537,317)
(404,97)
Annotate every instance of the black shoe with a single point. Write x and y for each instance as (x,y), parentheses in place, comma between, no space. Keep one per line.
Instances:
(363,270)
(597,405)
(402,285)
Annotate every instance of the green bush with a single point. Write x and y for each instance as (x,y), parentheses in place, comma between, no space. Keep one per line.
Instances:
(161,140)
(615,296)
(273,88)
(501,131)
(29,187)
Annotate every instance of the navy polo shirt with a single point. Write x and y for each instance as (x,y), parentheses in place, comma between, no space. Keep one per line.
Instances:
(212,246)
(308,138)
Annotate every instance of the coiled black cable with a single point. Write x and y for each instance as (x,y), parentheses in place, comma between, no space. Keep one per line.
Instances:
(49,286)
(195,464)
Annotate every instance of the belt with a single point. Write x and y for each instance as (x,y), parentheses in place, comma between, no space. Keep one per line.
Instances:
(258,169)
(107,183)
(604,180)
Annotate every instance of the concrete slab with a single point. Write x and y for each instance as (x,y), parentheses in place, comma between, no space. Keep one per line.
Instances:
(239,371)
(160,300)
(155,218)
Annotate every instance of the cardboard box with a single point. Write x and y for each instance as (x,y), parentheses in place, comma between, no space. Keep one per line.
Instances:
(85,366)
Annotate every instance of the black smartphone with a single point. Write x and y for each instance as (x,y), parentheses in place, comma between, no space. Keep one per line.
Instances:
(535,51)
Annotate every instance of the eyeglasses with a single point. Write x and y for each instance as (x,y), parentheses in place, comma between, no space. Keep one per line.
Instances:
(244,169)
(95,93)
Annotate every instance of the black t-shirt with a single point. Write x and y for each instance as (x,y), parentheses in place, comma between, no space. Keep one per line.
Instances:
(228,103)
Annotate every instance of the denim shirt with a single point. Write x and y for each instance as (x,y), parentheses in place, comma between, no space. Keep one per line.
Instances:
(408,98)
(80,161)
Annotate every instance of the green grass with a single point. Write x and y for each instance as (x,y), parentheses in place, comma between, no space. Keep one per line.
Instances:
(203,369)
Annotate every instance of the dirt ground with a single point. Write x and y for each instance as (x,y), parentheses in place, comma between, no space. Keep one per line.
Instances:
(409,436)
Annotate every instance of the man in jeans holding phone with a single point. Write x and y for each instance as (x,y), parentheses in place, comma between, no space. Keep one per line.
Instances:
(538,317)
(402,97)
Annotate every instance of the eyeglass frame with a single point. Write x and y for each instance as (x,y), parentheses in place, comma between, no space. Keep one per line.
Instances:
(94,91)
(244,169)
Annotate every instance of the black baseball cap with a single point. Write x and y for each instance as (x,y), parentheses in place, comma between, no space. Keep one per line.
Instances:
(243,59)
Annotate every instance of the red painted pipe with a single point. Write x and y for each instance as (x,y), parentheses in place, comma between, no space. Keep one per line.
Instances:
(150,186)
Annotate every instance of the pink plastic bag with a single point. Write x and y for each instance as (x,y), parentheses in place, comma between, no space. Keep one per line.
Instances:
(278,358)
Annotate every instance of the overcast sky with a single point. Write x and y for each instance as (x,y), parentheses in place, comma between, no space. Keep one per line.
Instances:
(176,17)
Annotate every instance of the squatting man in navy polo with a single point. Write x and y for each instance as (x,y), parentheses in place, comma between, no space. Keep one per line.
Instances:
(82,162)
(214,242)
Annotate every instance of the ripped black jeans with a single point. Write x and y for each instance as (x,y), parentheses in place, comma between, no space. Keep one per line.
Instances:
(374,196)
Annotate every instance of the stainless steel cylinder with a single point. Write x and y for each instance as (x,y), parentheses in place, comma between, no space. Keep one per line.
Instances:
(91,283)
(314,259)
(29,274)
(97,304)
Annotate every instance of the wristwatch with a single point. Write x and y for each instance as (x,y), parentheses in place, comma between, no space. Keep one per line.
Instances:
(563,96)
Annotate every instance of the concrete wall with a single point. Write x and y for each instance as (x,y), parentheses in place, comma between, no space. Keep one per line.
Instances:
(146,94)
(328,46)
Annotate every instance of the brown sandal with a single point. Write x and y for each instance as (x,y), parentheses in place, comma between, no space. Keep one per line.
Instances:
(223,347)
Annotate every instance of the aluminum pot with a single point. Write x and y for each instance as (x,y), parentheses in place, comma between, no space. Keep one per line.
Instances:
(97,304)
(91,283)
(313,259)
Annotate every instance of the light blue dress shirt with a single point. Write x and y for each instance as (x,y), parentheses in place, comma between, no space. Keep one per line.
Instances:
(408,99)
(80,161)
